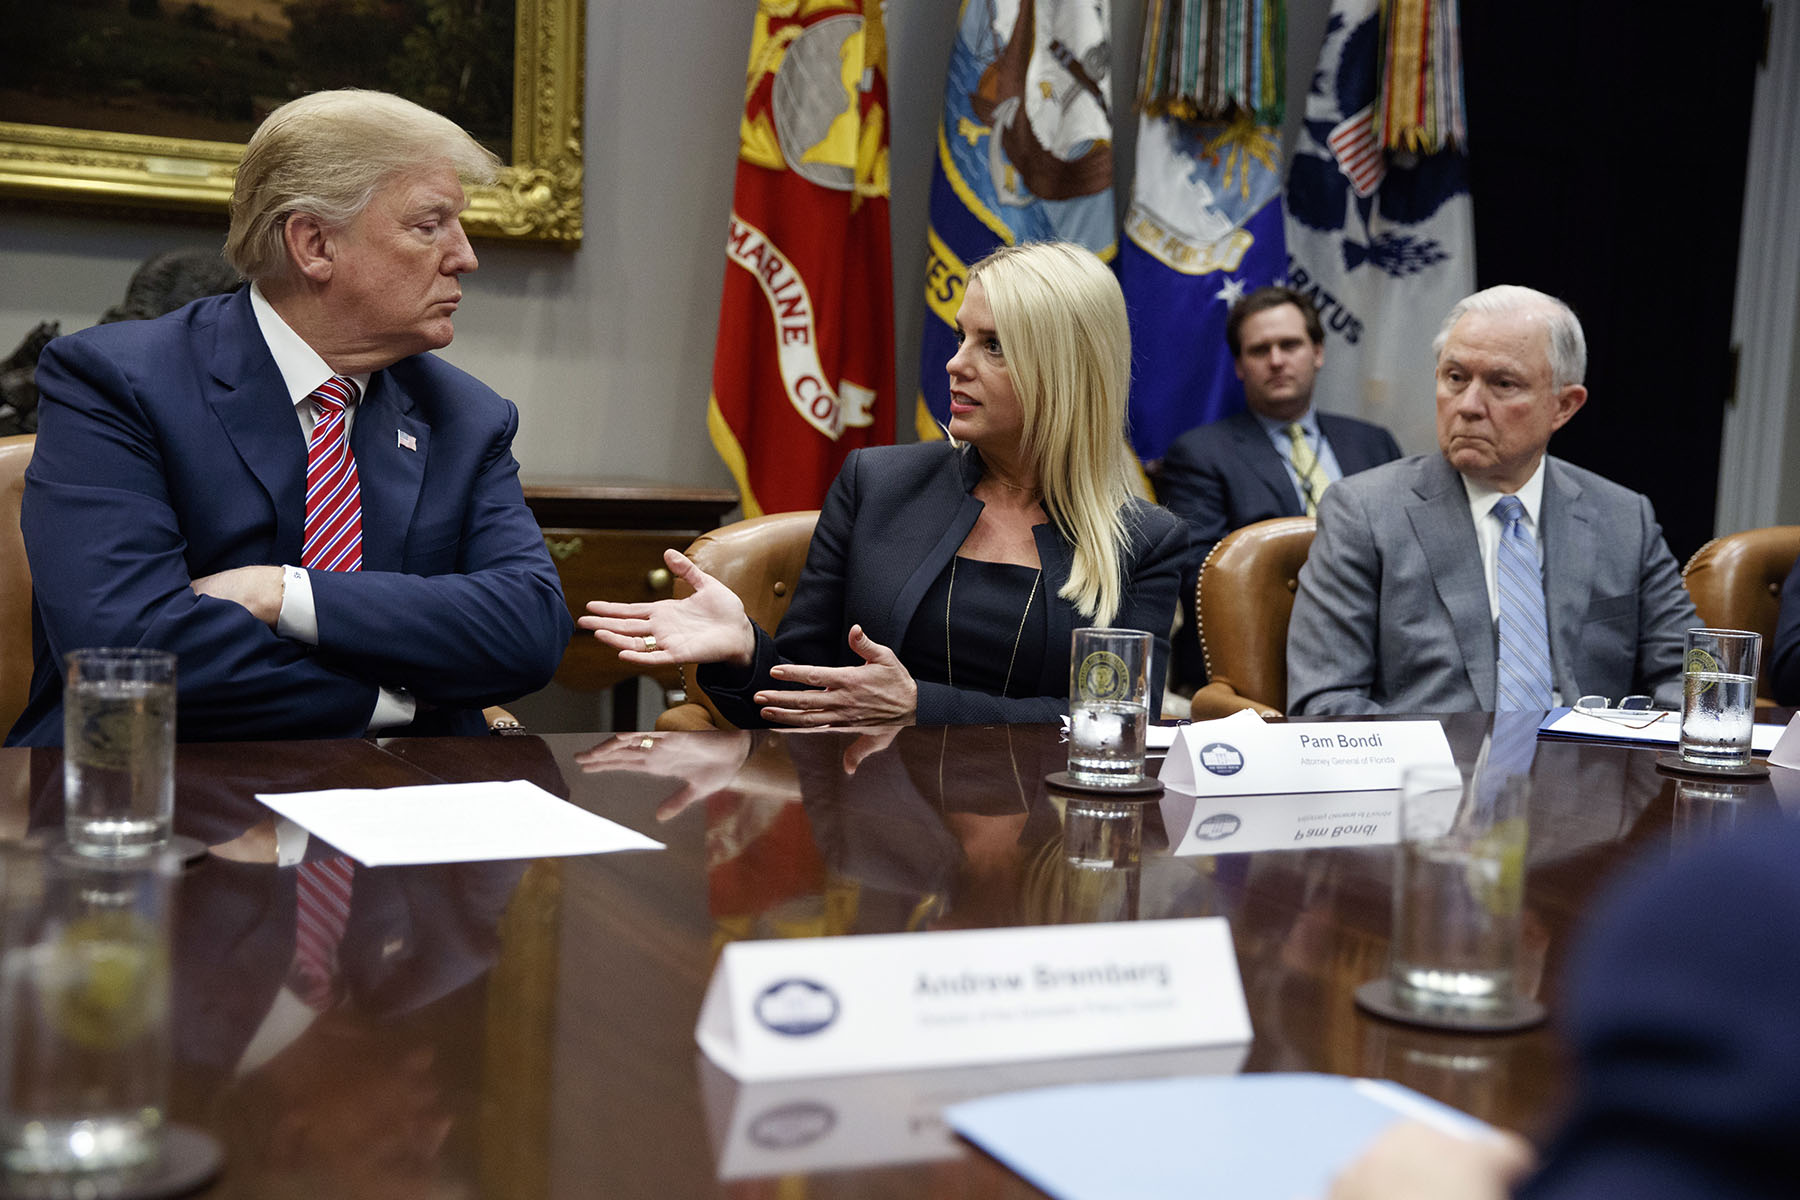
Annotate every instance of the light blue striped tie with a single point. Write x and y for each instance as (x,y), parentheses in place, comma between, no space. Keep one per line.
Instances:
(1524,659)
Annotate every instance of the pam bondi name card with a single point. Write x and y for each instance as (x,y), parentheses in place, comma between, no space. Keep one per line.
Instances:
(830,1006)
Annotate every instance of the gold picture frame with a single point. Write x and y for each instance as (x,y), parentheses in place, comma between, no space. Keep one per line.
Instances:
(537,196)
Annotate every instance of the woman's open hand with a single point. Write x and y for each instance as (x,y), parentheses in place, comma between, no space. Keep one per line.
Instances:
(708,626)
(879,692)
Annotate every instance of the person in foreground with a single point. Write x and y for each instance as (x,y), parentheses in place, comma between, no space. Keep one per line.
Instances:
(1277,459)
(944,578)
(1490,576)
(281,485)
(1784,652)
(1683,1029)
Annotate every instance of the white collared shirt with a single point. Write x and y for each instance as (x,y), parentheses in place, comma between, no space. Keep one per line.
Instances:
(302,370)
(1482,499)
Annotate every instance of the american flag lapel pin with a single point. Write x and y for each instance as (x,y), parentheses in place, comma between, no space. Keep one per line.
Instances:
(408,441)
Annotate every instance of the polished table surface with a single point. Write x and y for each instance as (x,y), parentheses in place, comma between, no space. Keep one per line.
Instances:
(526,1029)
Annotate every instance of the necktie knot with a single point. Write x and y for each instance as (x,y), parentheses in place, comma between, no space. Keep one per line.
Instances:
(1510,510)
(334,395)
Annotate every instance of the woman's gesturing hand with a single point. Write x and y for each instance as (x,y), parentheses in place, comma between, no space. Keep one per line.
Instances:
(879,692)
(708,626)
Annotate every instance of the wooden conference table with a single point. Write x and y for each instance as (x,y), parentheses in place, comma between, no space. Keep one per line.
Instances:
(526,1029)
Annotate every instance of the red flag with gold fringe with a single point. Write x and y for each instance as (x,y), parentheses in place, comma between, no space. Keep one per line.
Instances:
(803,371)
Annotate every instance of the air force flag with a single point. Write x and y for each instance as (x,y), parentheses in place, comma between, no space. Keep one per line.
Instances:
(1204,228)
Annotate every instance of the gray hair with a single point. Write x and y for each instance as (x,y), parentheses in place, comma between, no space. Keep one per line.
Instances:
(1568,346)
(326,155)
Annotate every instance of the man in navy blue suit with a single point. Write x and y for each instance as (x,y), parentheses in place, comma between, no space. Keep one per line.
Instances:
(1272,461)
(175,498)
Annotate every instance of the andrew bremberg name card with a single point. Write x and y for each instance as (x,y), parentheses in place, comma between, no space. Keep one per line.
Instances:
(1243,755)
(892,1002)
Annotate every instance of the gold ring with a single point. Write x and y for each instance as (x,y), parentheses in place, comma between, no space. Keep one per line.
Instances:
(649,642)
(647,743)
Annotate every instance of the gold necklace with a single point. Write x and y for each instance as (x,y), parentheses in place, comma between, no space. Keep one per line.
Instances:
(950,593)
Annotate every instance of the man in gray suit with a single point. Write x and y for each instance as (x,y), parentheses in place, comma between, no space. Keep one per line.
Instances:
(1430,588)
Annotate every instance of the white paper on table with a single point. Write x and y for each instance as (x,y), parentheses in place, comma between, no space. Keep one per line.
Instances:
(1662,727)
(453,822)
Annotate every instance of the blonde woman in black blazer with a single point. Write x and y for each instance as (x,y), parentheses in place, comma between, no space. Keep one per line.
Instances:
(944,578)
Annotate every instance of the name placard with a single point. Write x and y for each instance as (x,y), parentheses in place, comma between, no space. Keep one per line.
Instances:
(888,1002)
(1242,755)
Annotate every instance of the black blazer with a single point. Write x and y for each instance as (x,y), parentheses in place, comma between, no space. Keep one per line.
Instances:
(892,521)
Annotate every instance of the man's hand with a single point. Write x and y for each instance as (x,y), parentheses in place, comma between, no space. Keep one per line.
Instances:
(1412,1161)
(880,692)
(258,589)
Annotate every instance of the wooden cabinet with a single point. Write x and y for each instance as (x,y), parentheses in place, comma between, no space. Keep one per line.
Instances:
(607,537)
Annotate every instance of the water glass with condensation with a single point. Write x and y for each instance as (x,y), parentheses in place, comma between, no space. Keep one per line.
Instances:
(1459,883)
(84,1020)
(1109,693)
(1718,704)
(118,750)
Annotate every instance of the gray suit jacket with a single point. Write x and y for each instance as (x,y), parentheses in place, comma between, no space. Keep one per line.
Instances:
(1392,614)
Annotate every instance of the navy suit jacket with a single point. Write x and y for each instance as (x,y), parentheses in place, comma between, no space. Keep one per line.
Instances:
(1682,1006)
(169,450)
(1227,474)
(892,521)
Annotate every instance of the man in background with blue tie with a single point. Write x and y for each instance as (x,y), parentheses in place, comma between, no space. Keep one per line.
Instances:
(1489,576)
(282,485)
(1275,460)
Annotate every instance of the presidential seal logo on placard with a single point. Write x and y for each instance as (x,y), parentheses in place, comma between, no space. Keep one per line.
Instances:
(791,1126)
(1221,759)
(1103,676)
(1219,825)
(796,1007)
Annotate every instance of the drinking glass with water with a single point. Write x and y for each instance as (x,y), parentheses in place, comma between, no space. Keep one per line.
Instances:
(1109,693)
(118,750)
(1719,696)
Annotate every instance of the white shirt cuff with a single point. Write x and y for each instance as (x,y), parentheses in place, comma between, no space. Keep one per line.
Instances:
(298,620)
(394,709)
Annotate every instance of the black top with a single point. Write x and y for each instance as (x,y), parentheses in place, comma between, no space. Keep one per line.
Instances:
(991,634)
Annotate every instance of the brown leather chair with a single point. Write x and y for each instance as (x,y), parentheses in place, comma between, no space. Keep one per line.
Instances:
(15,582)
(1735,583)
(1242,604)
(760,560)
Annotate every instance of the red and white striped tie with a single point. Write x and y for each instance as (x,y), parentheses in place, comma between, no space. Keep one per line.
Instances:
(333,495)
(321,912)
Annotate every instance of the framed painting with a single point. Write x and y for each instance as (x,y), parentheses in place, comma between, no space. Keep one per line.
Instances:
(147,104)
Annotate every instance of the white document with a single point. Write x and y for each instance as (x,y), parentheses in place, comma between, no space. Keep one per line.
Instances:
(1660,727)
(1243,755)
(810,1007)
(453,822)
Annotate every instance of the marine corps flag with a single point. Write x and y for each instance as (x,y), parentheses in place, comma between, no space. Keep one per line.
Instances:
(1024,153)
(1205,223)
(803,372)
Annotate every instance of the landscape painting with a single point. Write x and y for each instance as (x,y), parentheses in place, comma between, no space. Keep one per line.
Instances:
(150,101)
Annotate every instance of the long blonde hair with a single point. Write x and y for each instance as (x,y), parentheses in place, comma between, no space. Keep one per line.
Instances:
(1061,320)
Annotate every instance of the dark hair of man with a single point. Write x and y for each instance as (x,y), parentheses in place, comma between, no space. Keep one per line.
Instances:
(1263,299)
